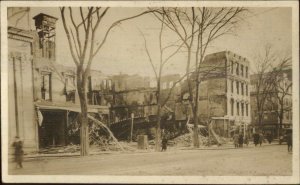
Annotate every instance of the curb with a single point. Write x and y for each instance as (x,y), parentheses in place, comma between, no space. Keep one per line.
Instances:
(45,156)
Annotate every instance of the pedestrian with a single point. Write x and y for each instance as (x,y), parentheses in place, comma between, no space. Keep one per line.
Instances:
(261,139)
(255,139)
(289,139)
(236,140)
(18,153)
(164,143)
(269,138)
(246,140)
(241,140)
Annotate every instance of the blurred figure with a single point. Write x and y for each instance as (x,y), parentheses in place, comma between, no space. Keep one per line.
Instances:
(261,139)
(241,140)
(246,140)
(255,138)
(269,137)
(236,140)
(18,154)
(164,143)
(289,139)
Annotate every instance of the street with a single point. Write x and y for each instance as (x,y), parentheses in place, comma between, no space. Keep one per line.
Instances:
(259,161)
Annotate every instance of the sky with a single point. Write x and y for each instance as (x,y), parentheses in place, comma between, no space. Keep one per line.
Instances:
(124,51)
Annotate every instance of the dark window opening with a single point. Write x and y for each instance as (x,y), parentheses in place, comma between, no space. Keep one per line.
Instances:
(46,86)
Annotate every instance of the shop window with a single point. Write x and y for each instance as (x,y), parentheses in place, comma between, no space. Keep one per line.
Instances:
(46,86)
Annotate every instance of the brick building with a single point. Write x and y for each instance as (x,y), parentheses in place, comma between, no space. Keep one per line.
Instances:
(224,96)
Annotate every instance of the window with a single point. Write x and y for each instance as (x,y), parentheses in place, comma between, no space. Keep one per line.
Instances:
(237,68)
(247,90)
(231,67)
(70,88)
(46,86)
(232,106)
(246,72)
(232,86)
(237,87)
(104,84)
(242,106)
(242,88)
(237,108)
(247,109)
(109,84)
(171,84)
(242,70)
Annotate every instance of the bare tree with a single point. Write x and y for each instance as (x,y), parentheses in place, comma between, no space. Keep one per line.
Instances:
(280,95)
(262,81)
(198,28)
(158,69)
(84,43)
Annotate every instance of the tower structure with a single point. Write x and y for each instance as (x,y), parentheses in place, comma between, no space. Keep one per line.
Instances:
(45,26)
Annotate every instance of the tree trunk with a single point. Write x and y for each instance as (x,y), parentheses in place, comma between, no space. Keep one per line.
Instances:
(196,120)
(158,130)
(84,129)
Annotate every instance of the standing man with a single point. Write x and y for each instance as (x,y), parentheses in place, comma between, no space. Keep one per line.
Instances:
(261,138)
(241,140)
(164,143)
(289,139)
(255,138)
(18,146)
(236,140)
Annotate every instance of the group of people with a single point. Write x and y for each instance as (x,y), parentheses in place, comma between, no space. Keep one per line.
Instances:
(239,140)
(258,138)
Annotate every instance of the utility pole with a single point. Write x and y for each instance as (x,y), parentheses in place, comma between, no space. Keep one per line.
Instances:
(131,131)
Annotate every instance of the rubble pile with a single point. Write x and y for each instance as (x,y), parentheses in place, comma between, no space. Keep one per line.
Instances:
(60,149)
(186,140)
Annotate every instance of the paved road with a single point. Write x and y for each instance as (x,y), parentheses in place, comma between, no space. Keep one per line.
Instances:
(260,161)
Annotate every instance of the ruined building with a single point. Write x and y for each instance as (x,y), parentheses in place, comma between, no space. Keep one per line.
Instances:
(43,102)
(224,96)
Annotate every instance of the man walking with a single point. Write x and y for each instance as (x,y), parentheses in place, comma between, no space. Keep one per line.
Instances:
(289,138)
(18,146)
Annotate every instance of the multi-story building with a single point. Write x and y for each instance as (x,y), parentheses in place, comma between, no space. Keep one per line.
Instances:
(277,98)
(42,98)
(224,96)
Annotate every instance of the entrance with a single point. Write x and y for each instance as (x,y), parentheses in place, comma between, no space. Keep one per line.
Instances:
(53,130)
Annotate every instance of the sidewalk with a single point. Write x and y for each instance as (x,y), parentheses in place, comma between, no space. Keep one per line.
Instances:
(228,146)
(34,156)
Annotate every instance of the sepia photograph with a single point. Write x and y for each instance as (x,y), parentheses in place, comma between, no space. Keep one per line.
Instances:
(150,92)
